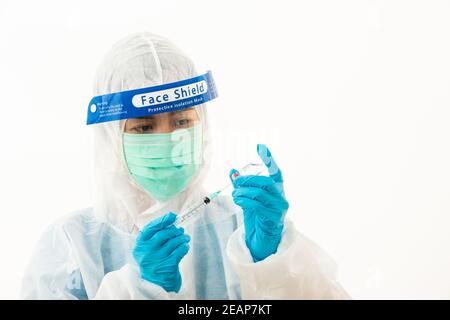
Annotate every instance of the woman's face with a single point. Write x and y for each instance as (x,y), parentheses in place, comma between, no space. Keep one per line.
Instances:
(163,122)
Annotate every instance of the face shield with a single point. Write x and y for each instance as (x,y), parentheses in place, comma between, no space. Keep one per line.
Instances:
(162,132)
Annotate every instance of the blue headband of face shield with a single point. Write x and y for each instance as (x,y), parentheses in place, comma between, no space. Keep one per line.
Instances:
(152,100)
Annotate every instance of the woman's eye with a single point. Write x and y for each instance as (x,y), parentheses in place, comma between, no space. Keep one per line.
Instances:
(182,122)
(144,128)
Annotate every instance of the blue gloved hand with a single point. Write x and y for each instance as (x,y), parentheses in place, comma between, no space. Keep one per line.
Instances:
(264,205)
(158,251)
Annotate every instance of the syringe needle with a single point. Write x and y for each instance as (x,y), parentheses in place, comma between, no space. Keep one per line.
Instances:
(249,169)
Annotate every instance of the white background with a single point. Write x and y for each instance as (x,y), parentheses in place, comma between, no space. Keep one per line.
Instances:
(352,97)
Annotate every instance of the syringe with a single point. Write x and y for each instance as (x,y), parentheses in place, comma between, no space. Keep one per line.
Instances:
(193,210)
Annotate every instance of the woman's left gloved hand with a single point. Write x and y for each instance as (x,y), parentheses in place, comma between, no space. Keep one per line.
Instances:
(264,205)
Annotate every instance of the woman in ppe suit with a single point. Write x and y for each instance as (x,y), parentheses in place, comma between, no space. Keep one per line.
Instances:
(128,247)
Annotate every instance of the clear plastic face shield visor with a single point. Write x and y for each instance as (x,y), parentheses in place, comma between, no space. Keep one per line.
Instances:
(162,132)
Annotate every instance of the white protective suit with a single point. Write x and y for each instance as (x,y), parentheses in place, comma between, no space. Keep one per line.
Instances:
(88,254)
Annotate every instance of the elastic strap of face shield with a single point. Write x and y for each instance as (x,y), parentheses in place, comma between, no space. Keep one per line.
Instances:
(157,62)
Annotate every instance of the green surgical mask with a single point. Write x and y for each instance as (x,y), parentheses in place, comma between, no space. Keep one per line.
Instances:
(164,163)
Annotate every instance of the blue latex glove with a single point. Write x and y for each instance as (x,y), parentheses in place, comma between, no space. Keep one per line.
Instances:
(264,205)
(158,251)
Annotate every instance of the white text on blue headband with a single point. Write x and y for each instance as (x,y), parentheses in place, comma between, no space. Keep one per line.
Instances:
(170,95)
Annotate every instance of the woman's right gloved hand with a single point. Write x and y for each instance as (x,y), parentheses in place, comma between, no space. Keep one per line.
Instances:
(159,249)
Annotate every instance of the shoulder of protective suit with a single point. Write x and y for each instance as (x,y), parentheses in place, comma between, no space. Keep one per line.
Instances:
(82,219)
(74,217)
(54,242)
